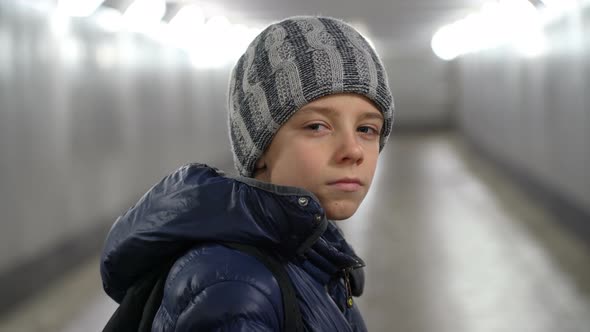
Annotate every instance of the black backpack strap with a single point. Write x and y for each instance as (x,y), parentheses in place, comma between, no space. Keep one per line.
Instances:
(138,308)
(153,303)
(292,320)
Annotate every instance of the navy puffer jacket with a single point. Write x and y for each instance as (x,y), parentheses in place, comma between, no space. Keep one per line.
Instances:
(213,288)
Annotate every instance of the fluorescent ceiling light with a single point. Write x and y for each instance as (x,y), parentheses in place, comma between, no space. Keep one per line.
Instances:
(516,23)
(144,15)
(188,17)
(109,19)
(78,8)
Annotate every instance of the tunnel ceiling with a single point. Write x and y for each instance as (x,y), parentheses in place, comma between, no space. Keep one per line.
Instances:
(398,25)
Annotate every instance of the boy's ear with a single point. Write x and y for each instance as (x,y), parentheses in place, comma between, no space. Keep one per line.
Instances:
(259,169)
(260,163)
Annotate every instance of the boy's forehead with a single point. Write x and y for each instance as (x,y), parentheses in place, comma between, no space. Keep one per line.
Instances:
(368,112)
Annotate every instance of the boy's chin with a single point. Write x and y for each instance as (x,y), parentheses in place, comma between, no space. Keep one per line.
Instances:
(340,210)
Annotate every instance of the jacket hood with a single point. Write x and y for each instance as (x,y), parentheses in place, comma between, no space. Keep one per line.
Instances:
(198,204)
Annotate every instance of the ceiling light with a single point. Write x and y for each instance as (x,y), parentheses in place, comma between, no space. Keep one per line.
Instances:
(78,8)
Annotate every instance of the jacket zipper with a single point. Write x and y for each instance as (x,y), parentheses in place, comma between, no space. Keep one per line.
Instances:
(349,301)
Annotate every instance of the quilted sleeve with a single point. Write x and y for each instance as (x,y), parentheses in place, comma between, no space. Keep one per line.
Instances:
(229,306)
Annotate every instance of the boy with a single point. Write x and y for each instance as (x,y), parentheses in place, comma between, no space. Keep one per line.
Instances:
(309,111)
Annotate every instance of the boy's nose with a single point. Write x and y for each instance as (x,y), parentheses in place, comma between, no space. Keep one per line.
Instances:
(350,149)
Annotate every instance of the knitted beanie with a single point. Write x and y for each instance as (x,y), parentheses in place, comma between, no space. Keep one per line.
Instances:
(291,63)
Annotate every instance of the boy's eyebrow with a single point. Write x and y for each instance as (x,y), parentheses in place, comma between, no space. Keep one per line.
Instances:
(372,115)
(330,110)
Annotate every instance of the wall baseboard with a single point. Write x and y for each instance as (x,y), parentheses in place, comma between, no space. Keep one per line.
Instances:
(27,278)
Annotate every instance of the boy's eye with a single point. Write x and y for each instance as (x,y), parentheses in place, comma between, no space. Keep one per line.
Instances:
(368,130)
(316,126)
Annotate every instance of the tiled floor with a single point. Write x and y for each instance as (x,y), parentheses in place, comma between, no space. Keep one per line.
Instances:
(450,244)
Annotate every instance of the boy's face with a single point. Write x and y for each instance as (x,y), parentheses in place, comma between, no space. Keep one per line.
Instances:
(329,147)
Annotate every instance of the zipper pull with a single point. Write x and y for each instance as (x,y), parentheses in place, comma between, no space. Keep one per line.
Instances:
(349,301)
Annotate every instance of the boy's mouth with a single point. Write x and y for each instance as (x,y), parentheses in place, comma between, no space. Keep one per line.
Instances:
(346,184)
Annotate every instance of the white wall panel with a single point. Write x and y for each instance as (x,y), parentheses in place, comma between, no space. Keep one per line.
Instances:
(533,113)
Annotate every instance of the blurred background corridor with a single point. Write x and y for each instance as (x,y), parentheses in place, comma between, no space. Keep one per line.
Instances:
(479,215)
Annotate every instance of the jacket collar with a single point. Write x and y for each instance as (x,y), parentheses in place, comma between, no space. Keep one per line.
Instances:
(305,219)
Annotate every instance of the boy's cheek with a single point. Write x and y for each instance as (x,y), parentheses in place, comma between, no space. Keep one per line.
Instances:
(297,174)
(340,209)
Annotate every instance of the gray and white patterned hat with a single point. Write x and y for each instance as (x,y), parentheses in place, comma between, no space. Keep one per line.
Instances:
(291,63)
